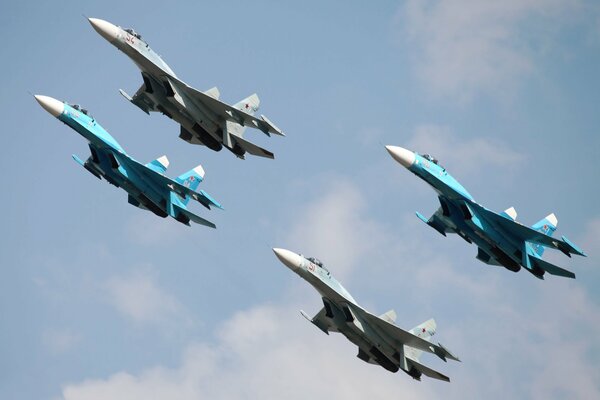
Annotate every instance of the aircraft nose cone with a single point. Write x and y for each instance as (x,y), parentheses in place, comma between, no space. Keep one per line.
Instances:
(289,258)
(107,30)
(403,156)
(53,106)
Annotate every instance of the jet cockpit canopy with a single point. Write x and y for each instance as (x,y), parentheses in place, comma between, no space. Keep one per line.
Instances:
(430,158)
(318,262)
(134,33)
(83,110)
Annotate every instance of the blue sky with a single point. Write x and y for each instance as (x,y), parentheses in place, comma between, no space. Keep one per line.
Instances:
(102,300)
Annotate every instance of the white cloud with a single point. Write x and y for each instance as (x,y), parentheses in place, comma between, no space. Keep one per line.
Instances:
(466,156)
(334,227)
(465,47)
(138,297)
(509,349)
(265,352)
(518,337)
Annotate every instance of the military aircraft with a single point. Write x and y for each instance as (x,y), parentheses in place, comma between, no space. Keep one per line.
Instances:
(203,118)
(147,186)
(501,240)
(378,339)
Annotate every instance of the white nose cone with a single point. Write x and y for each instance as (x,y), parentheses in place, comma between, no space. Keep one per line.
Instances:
(403,156)
(105,28)
(289,258)
(53,106)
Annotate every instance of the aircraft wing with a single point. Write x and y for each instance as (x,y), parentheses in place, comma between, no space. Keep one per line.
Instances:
(202,197)
(226,111)
(525,233)
(401,337)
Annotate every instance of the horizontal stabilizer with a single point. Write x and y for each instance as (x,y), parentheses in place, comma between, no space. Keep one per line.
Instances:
(159,165)
(253,149)
(444,353)
(428,371)
(193,217)
(572,248)
(551,268)
(265,125)
(206,200)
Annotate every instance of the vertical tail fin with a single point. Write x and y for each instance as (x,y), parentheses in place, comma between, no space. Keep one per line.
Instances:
(425,331)
(159,165)
(249,105)
(191,179)
(510,213)
(547,226)
(389,316)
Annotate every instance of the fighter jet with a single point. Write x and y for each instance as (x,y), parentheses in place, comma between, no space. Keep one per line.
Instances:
(500,239)
(147,186)
(378,339)
(203,118)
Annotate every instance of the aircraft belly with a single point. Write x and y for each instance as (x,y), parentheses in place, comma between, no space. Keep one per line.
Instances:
(191,116)
(142,62)
(136,185)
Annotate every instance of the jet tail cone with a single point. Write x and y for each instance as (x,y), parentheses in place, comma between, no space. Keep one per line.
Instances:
(289,258)
(402,155)
(107,30)
(53,106)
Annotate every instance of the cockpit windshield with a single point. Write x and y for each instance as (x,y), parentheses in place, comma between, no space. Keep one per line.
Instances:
(430,158)
(83,110)
(134,33)
(318,262)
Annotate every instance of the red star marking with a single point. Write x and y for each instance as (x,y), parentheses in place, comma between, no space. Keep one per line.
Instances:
(247,105)
(545,227)
(423,330)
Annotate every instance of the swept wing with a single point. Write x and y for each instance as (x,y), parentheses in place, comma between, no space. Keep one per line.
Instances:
(202,197)
(401,337)
(224,110)
(527,234)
